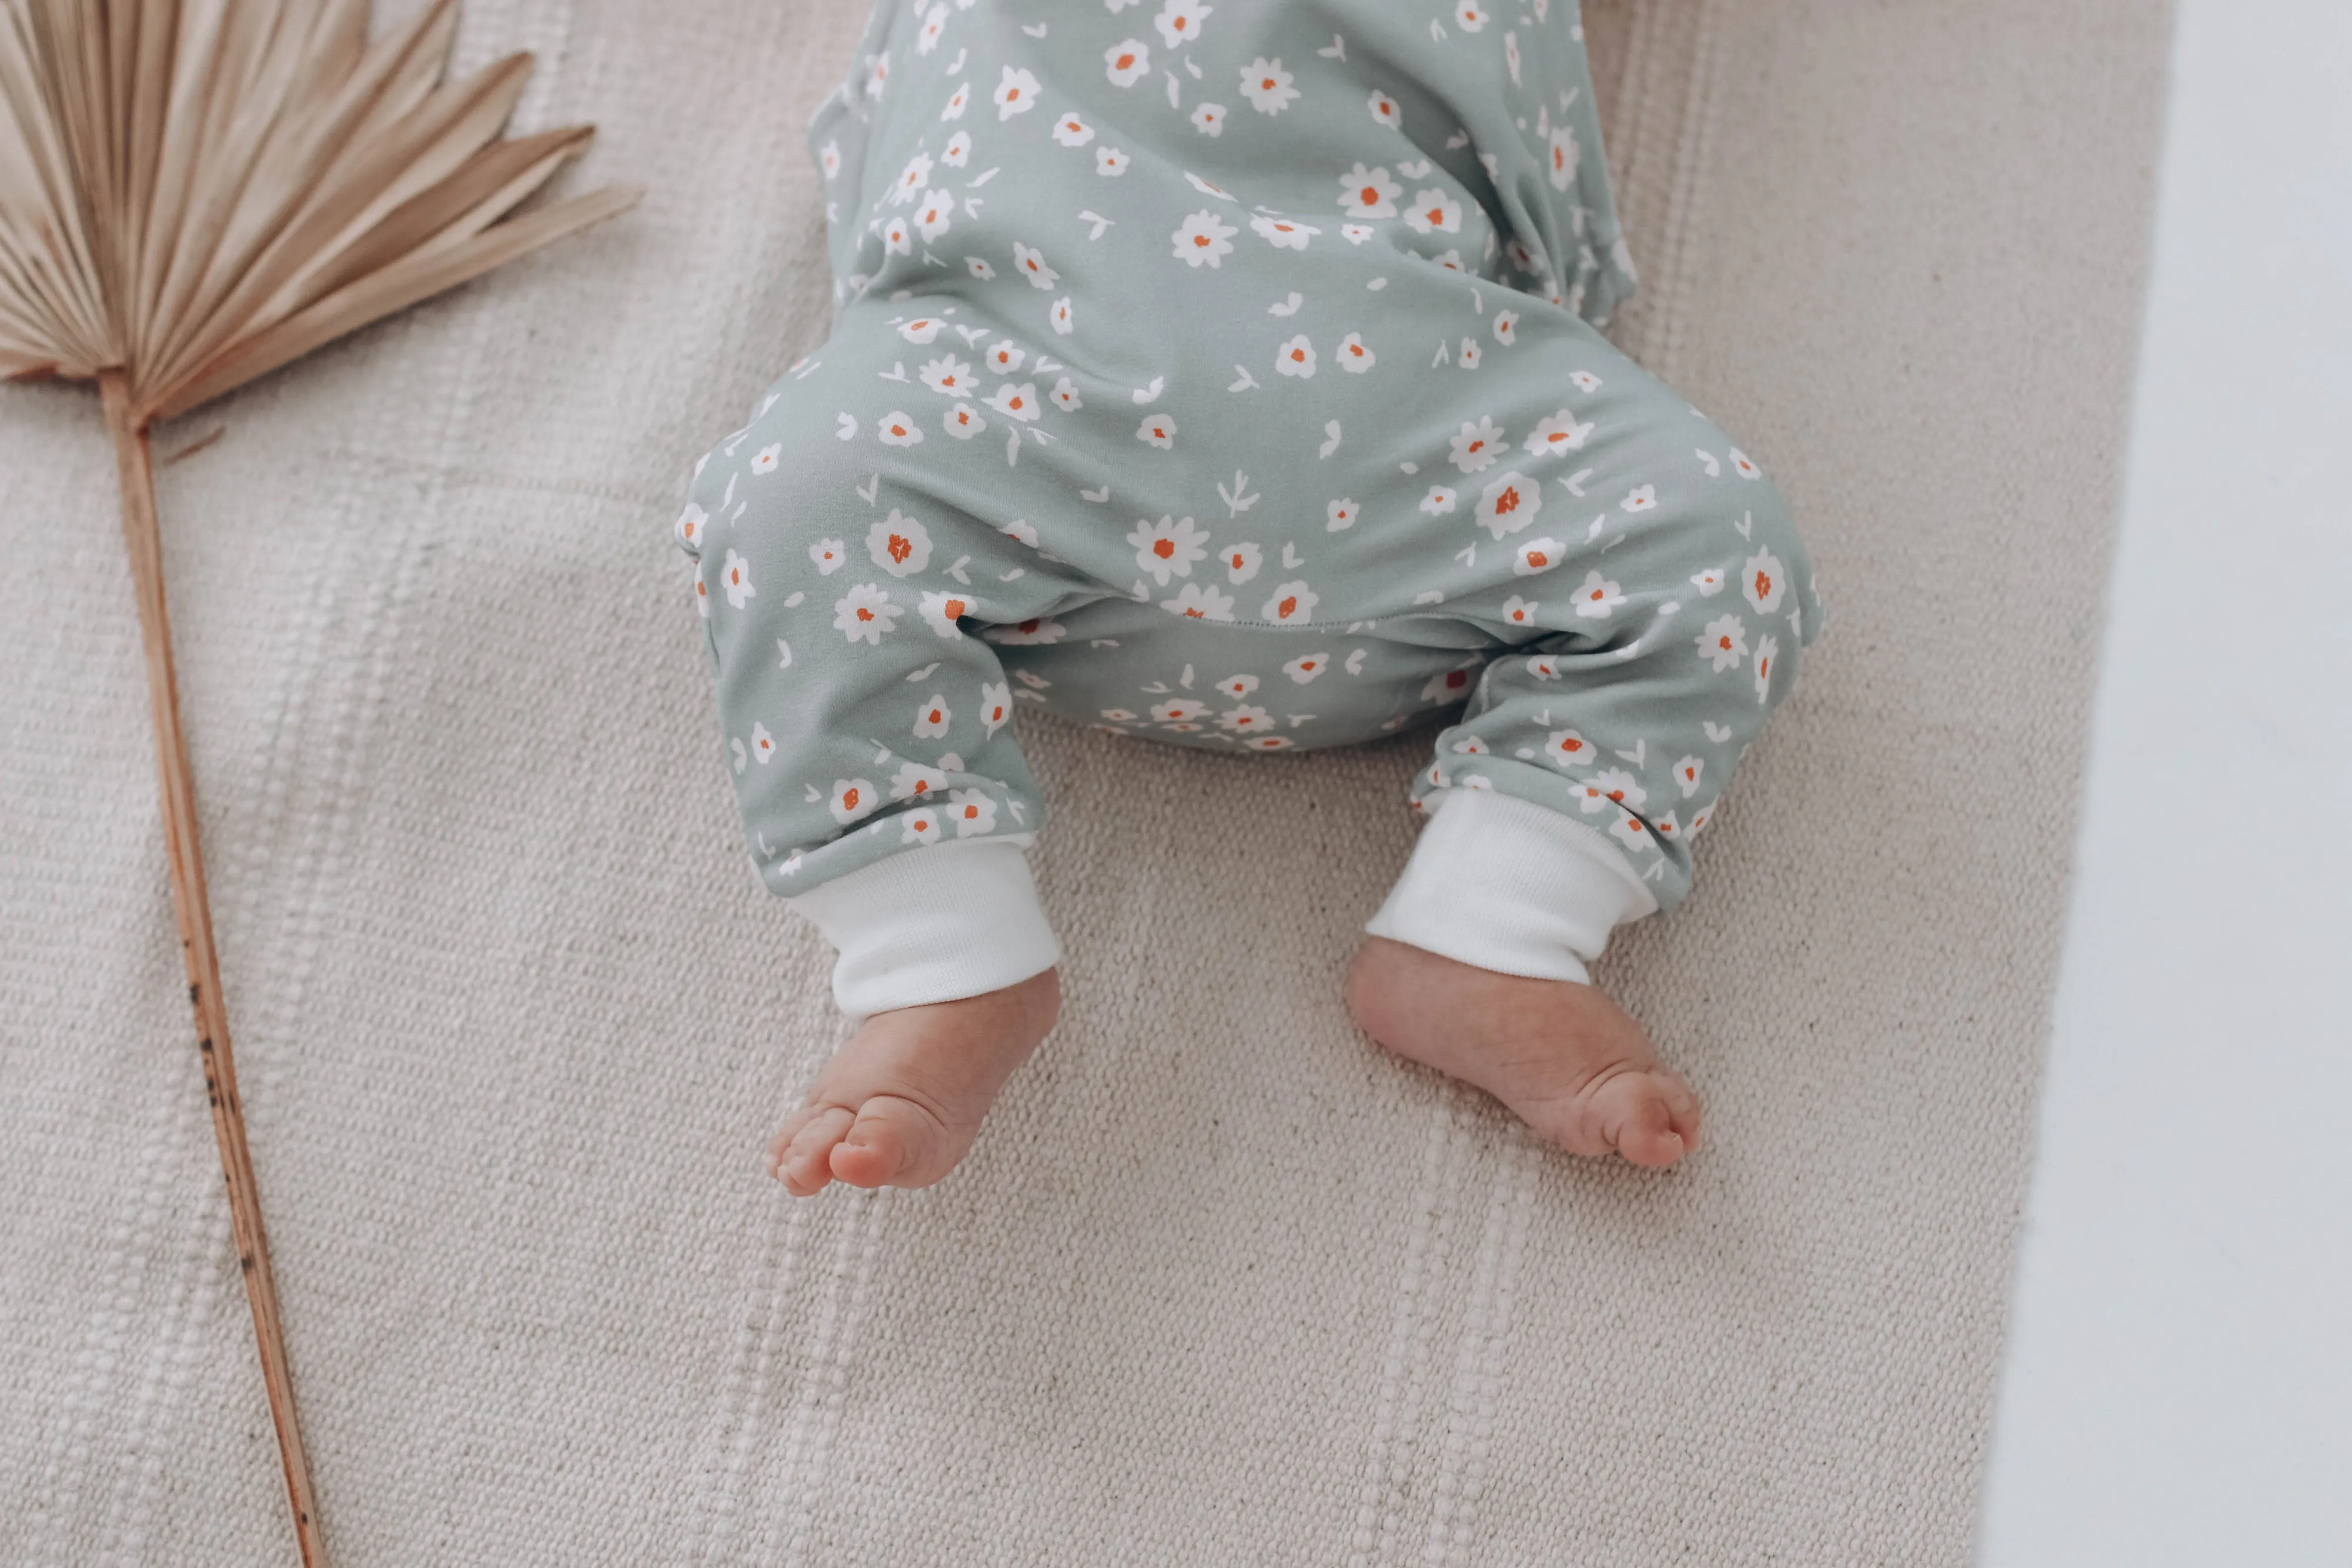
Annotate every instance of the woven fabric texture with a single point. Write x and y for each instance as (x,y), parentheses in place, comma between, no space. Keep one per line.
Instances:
(1221,1283)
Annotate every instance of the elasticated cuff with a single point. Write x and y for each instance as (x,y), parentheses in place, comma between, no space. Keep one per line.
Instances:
(932,925)
(1505,885)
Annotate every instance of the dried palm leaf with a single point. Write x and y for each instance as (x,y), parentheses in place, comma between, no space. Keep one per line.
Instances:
(193,193)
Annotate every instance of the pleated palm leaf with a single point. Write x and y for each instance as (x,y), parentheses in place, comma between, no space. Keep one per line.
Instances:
(193,193)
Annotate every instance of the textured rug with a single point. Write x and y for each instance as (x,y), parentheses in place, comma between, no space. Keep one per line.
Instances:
(1221,1285)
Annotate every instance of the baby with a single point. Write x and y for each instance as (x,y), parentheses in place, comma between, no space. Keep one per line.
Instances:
(1228,376)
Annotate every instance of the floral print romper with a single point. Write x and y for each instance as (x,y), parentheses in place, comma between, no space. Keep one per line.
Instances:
(1227,375)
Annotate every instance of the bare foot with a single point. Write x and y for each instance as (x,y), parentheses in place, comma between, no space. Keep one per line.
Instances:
(899,1104)
(1568,1061)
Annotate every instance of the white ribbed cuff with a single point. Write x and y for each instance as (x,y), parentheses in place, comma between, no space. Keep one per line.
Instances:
(932,925)
(1507,885)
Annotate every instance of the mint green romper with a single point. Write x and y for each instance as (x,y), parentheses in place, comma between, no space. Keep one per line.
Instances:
(1227,375)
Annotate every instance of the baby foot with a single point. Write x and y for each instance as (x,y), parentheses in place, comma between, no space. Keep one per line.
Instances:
(1567,1061)
(899,1104)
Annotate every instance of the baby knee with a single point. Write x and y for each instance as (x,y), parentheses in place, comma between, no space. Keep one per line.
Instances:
(780,487)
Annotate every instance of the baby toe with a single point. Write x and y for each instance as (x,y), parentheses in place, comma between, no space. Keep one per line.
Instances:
(896,1143)
(806,1162)
(1639,1121)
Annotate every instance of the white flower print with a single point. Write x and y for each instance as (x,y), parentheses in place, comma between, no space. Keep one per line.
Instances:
(912,180)
(1434,212)
(1509,504)
(1709,583)
(1629,827)
(1535,556)
(1597,598)
(972,811)
(1180,710)
(1268,86)
(1266,742)
(897,430)
(1016,402)
(1066,396)
(1760,582)
(1560,432)
(898,544)
(931,718)
(689,524)
(1564,156)
(1158,430)
(764,744)
(1643,500)
(1620,787)
(1031,265)
(1296,358)
(864,613)
(1519,611)
(1006,357)
(1471,746)
(1687,774)
(957,154)
(1355,357)
(1020,530)
(1072,131)
(1450,687)
(1588,796)
(1244,719)
(1507,326)
(736,576)
(1767,649)
(932,219)
(1110,162)
(1544,667)
(1292,603)
(995,706)
(852,799)
(1439,501)
(956,102)
(1168,547)
(1369,193)
(1180,21)
(1385,109)
(921,331)
(1237,687)
(1699,820)
(943,613)
(1511,53)
(933,25)
(920,826)
(1356,234)
(1283,234)
(1203,239)
(829,160)
(1060,317)
(830,556)
(1307,666)
(1338,517)
(1199,603)
(963,422)
(1037,632)
(1469,15)
(1745,465)
(1724,643)
(1665,827)
(981,269)
(1016,94)
(1473,448)
(913,781)
(1127,62)
(1209,118)
(1569,749)
(897,237)
(947,375)
(1584,380)
(1471,354)
(766,459)
(1242,562)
